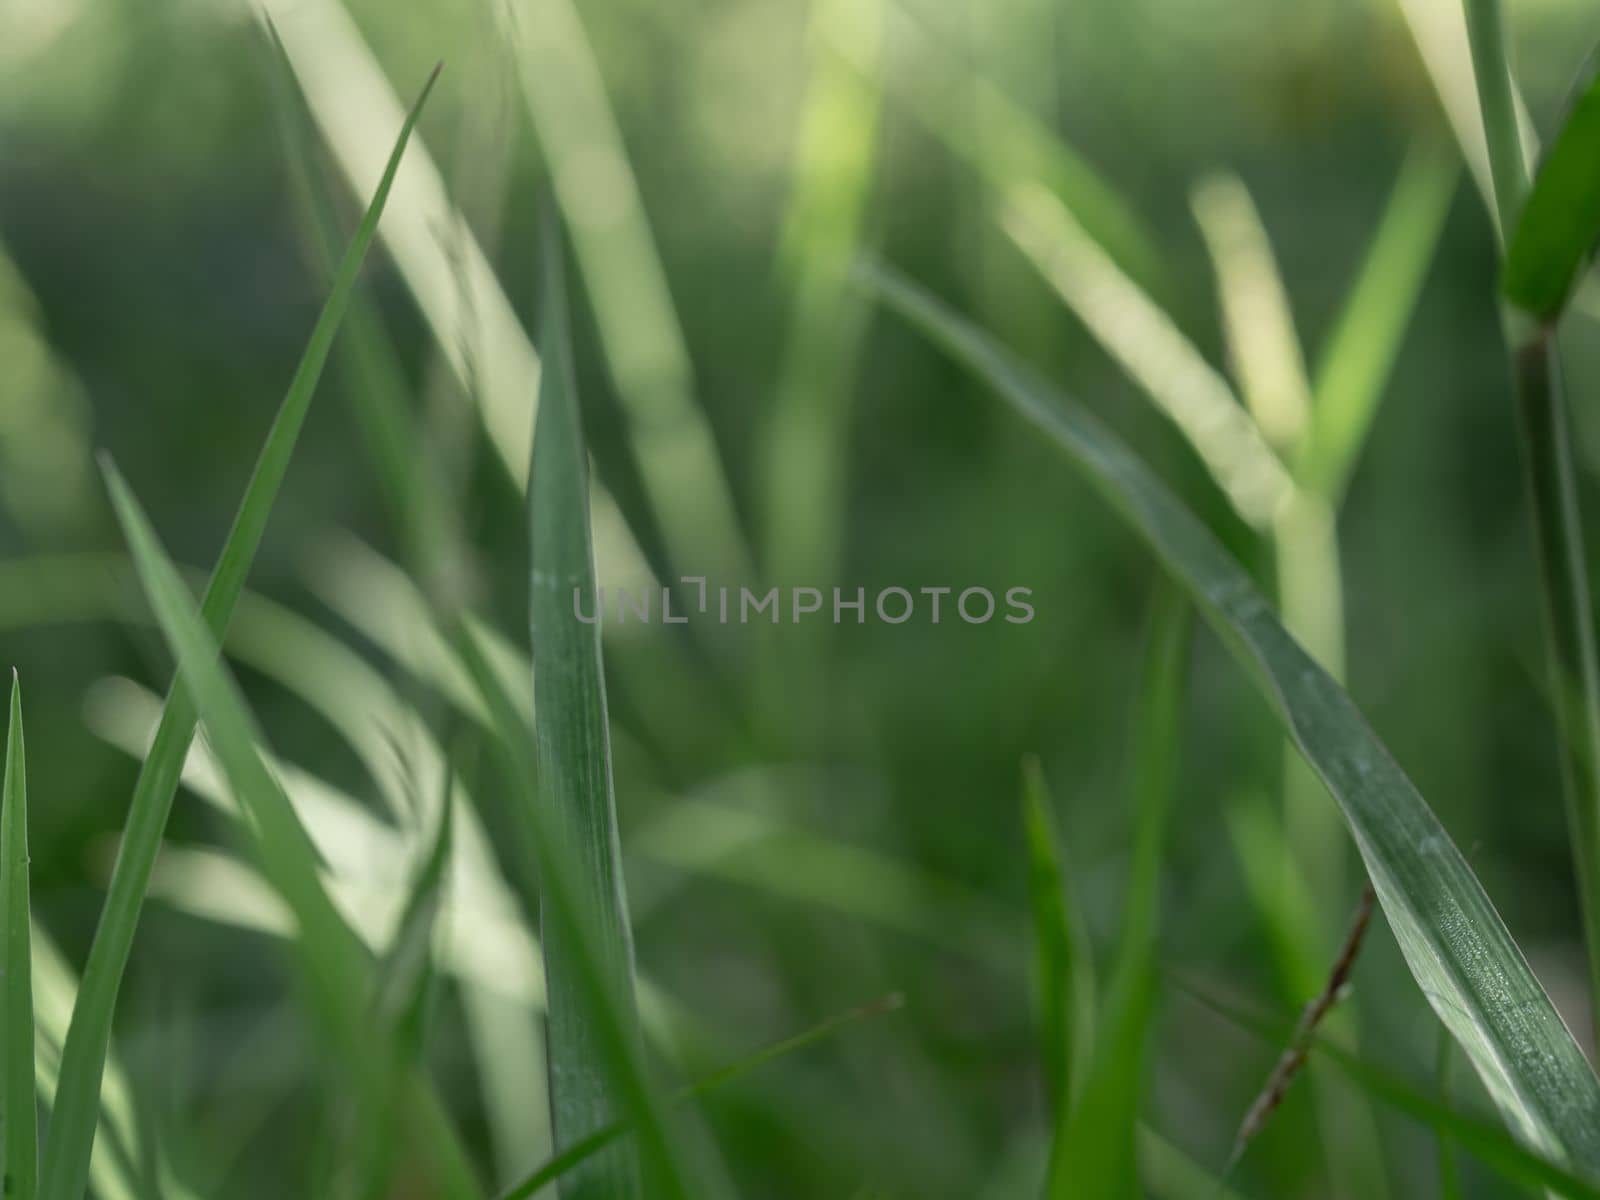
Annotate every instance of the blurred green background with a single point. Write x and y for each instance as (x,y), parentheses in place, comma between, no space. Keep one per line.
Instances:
(839,817)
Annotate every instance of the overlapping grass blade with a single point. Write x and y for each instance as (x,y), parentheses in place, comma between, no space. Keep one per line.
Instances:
(1009,145)
(337,966)
(1094,1152)
(596,1067)
(406,974)
(465,306)
(613,1025)
(639,328)
(586,1148)
(1063,959)
(1457,947)
(1543,430)
(1256,318)
(1560,219)
(71,1133)
(19,1127)
(1151,348)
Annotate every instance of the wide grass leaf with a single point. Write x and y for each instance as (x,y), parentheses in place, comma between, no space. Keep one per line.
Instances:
(71,1133)
(1454,941)
(19,1168)
(1560,220)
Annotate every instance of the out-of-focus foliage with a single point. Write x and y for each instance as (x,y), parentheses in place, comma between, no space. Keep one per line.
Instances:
(820,817)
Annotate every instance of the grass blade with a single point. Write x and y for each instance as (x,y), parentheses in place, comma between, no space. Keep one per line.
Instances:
(585,1148)
(19,1115)
(595,1073)
(1560,218)
(639,329)
(573,734)
(1542,427)
(1151,348)
(1452,938)
(1063,962)
(1256,317)
(71,1132)
(338,968)
(561,908)
(1094,1152)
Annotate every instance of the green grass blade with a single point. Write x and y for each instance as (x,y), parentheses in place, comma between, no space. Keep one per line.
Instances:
(1094,1152)
(1360,352)
(638,326)
(1256,318)
(1144,339)
(19,1117)
(1063,960)
(573,735)
(71,1131)
(1545,437)
(337,965)
(562,908)
(406,975)
(832,184)
(1453,940)
(941,89)
(1560,219)
(582,1150)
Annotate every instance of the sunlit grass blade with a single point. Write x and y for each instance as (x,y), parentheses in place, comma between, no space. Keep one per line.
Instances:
(465,306)
(1151,348)
(375,367)
(337,966)
(1009,145)
(1094,1150)
(1360,353)
(1560,219)
(586,1148)
(621,267)
(1452,938)
(71,1131)
(1485,1141)
(19,1115)
(1063,959)
(832,182)
(1256,317)
(348,96)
